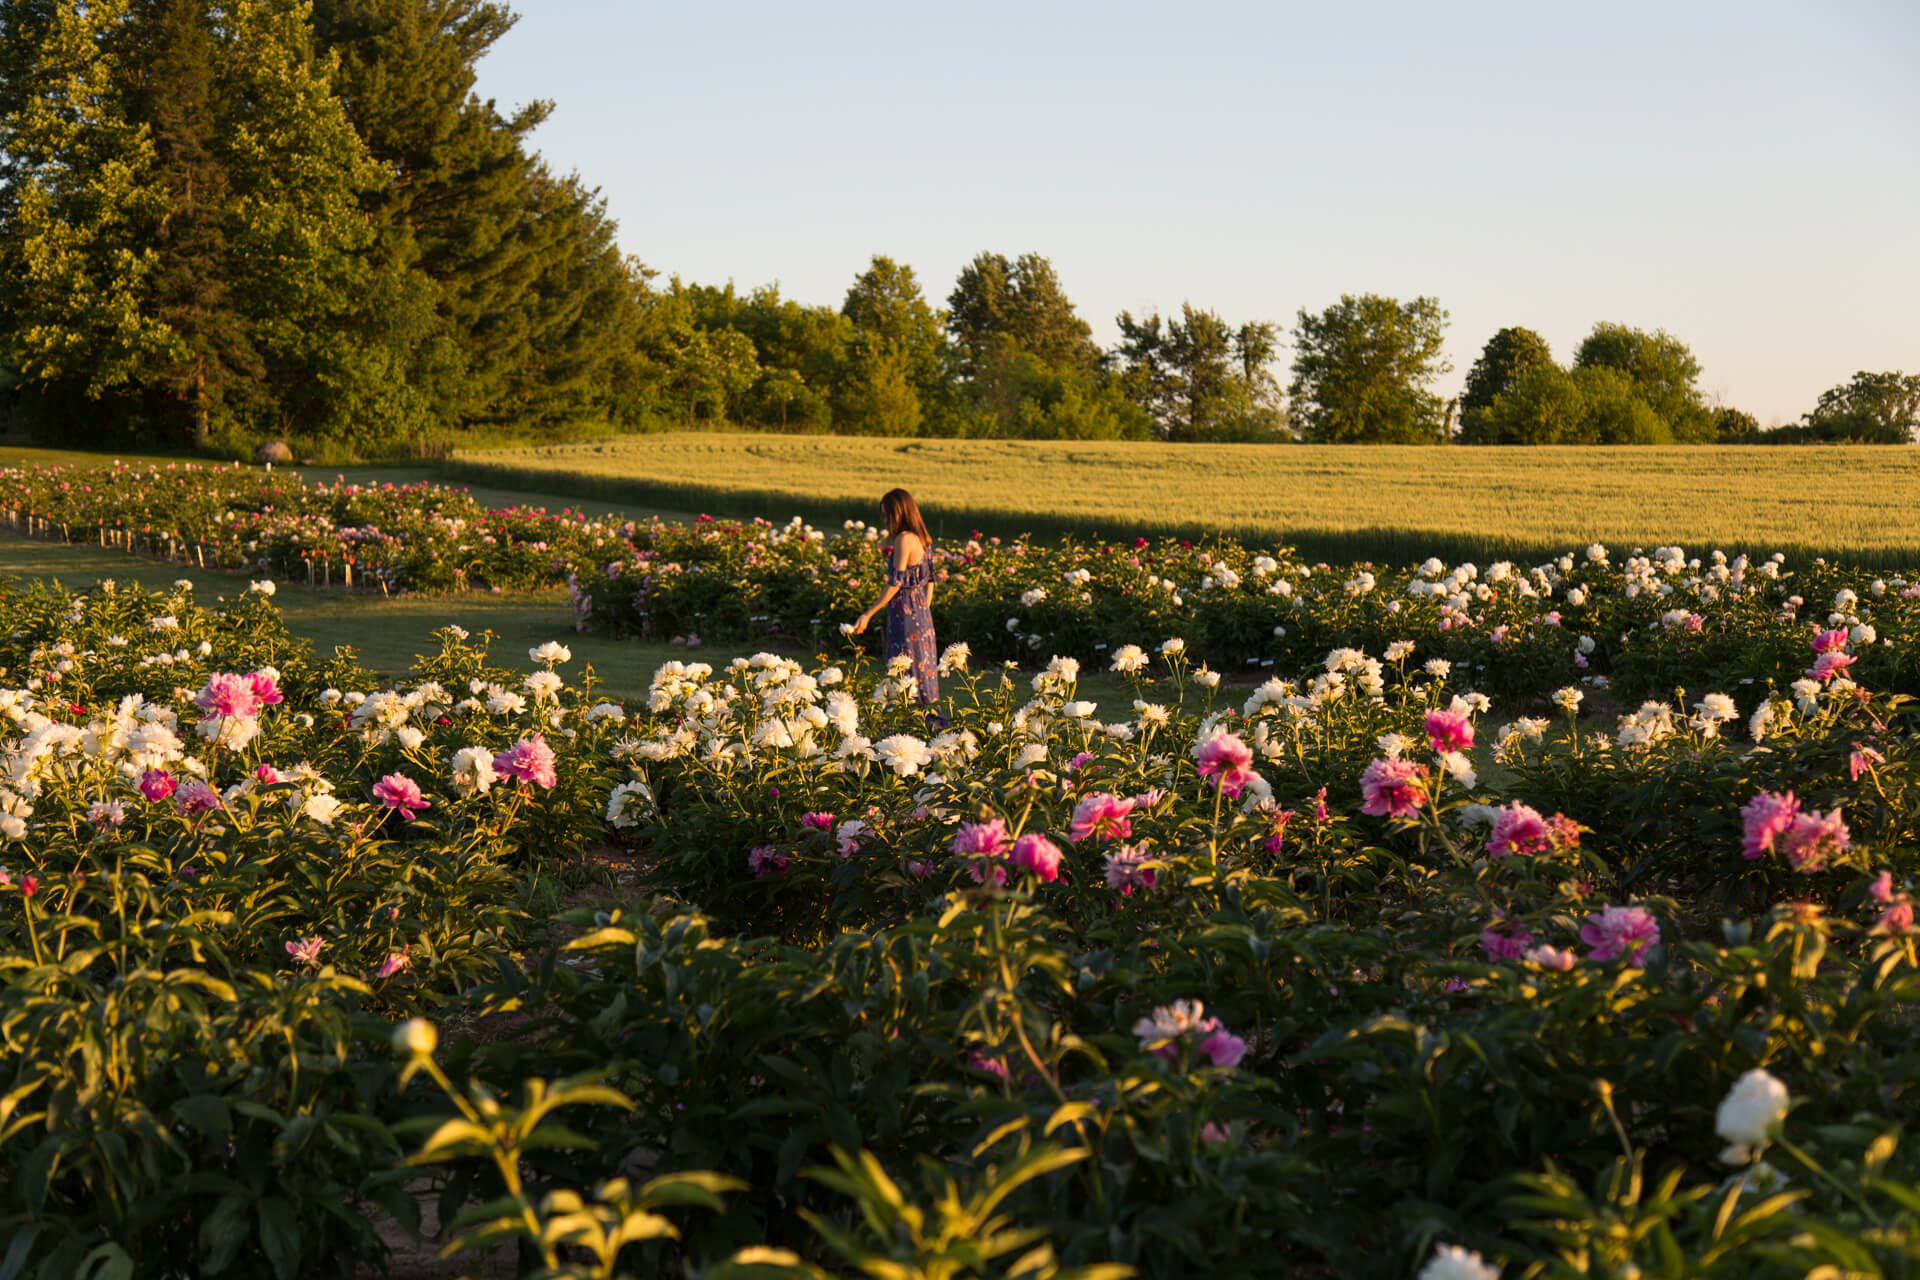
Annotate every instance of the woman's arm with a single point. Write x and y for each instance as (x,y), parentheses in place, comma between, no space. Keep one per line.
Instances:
(892,590)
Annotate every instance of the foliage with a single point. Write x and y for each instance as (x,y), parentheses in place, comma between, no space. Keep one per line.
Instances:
(1662,371)
(1362,370)
(1508,354)
(1198,377)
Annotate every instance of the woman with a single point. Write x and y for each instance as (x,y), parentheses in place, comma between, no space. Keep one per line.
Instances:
(908,598)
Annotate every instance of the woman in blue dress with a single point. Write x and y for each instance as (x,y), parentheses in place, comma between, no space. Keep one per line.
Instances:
(908,598)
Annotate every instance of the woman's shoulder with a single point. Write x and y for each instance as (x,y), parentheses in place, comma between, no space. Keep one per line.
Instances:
(908,543)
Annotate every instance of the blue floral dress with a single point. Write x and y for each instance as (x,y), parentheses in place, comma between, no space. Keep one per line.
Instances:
(910,625)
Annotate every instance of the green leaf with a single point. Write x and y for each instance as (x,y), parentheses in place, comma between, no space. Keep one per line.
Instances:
(280,1236)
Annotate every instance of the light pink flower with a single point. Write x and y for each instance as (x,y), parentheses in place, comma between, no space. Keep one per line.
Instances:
(1620,931)
(1126,870)
(1881,890)
(306,950)
(1518,828)
(157,784)
(1449,731)
(1228,762)
(1391,788)
(196,797)
(398,791)
(1102,816)
(1830,664)
(1862,761)
(1036,853)
(1552,958)
(528,760)
(1813,838)
(226,694)
(1767,816)
(1830,641)
(983,839)
(1502,940)
(395,963)
(1223,1047)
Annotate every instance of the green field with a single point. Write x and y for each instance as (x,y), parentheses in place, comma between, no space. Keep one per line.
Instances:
(1334,502)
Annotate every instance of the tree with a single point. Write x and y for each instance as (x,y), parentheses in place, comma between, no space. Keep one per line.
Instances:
(1199,378)
(1663,372)
(1543,404)
(898,352)
(1617,413)
(1508,354)
(999,309)
(1871,406)
(1362,370)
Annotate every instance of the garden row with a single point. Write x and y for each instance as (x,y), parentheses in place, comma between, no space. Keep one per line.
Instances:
(1259,982)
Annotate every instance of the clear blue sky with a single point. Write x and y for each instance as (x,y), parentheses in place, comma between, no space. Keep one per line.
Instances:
(1744,175)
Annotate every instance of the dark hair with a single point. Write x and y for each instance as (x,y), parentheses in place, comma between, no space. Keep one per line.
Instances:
(902,515)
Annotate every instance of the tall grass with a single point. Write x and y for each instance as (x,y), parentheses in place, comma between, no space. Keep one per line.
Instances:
(1332,502)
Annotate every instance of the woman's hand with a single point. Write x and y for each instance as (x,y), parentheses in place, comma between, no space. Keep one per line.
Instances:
(860,623)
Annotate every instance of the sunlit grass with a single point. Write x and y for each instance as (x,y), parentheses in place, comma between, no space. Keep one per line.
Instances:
(1333,502)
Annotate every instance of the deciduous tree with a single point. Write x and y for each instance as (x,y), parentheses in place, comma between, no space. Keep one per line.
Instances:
(1363,370)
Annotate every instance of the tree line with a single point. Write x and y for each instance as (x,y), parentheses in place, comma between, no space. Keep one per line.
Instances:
(229,220)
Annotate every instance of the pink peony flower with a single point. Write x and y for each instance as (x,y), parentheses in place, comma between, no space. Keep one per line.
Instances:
(1830,664)
(1449,731)
(528,760)
(1126,870)
(1277,834)
(1830,641)
(196,797)
(1227,761)
(1862,761)
(1813,838)
(817,821)
(1102,816)
(1552,958)
(991,1066)
(157,784)
(1620,931)
(266,691)
(983,839)
(1223,1048)
(1037,854)
(1881,890)
(228,695)
(1391,788)
(1504,941)
(267,775)
(766,861)
(398,791)
(306,950)
(1766,817)
(1517,828)
(396,963)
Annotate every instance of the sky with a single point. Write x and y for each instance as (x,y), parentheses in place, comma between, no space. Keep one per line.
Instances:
(1743,175)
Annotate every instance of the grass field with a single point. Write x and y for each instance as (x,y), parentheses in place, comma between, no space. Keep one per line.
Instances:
(1334,502)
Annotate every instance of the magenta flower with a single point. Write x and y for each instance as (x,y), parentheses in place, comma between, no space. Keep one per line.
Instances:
(817,821)
(1102,816)
(398,791)
(991,1066)
(1502,940)
(1036,853)
(1881,890)
(1449,731)
(1620,931)
(765,860)
(983,839)
(267,774)
(1767,816)
(395,963)
(1830,641)
(1896,919)
(1127,870)
(265,690)
(306,950)
(1518,828)
(1813,838)
(1391,788)
(1223,1048)
(157,784)
(1228,762)
(228,695)
(528,760)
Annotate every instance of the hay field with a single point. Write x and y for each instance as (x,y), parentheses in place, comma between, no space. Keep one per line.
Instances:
(1336,502)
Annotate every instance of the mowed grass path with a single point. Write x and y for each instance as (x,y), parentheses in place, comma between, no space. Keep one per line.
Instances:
(1336,502)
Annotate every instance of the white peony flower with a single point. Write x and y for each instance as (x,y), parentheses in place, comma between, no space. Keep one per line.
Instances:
(1451,1262)
(1750,1114)
(551,653)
